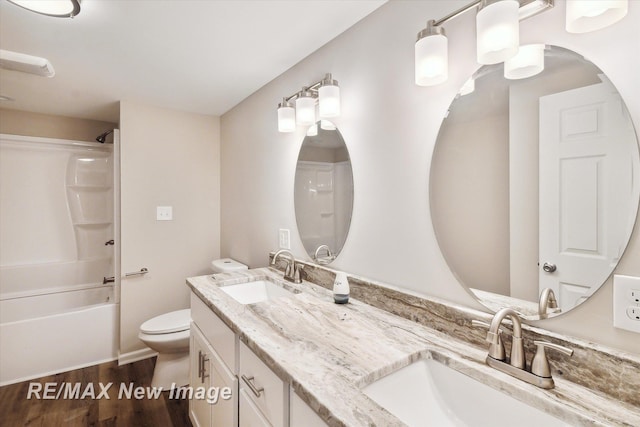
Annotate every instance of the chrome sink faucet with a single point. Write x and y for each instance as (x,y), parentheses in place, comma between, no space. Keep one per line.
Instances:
(292,270)
(547,300)
(539,373)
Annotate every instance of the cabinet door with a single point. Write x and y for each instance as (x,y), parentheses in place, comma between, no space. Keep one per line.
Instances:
(224,412)
(199,409)
(250,415)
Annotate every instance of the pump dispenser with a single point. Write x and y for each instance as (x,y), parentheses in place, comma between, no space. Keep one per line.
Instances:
(341,288)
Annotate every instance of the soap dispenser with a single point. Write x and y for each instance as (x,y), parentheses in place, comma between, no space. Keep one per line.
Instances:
(341,288)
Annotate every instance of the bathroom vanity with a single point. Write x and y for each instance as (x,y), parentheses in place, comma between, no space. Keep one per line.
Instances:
(301,355)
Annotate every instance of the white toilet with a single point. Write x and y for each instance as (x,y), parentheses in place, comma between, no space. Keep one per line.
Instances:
(168,334)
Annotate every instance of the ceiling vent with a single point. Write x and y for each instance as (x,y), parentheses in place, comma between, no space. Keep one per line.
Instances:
(26,63)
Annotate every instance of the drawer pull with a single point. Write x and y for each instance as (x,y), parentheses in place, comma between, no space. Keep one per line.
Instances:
(249,381)
(205,359)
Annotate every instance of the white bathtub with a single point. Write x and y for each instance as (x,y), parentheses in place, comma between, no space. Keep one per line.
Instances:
(56,332)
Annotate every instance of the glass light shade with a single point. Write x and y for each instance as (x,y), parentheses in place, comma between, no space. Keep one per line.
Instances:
(327,125)
(286,119)
(590,15)
(329,101)
(468,87)
(305,111)
(56,8)
(313,130)
(498,31)
(528,62)
(432,60)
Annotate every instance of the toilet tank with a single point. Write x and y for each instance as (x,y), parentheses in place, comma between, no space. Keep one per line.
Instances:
(227,265)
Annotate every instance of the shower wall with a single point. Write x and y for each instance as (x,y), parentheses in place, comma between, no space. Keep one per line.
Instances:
(56,214)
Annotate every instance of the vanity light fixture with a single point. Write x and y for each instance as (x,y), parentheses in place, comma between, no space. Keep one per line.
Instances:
(497,23)
(55,8)
(497,30)
(327,94)
(591,15)
(527,63)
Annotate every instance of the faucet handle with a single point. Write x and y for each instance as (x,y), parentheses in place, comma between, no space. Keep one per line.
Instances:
(496,349)
(539,363)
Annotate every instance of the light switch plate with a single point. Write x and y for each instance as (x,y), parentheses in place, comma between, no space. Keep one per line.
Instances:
(164,213)
(625,303)
(284,239)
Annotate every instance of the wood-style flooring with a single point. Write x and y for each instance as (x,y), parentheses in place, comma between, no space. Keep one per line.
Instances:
(16,410)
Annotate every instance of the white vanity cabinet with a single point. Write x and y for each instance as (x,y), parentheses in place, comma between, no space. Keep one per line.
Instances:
(301,414)
(212,366)
(264,397)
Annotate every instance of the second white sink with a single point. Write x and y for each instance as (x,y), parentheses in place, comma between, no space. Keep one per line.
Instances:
(430,393)
(254,292)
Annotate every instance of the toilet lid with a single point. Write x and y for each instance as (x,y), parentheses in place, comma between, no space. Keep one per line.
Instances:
(175,321)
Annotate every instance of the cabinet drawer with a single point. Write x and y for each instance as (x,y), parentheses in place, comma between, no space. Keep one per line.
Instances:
(250,415)
(302,414)
(273,400)
(219,335)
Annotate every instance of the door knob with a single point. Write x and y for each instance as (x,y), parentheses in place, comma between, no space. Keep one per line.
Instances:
(549,268)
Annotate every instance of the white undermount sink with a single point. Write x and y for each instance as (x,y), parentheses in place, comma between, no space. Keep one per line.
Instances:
(254,292)
(428,393)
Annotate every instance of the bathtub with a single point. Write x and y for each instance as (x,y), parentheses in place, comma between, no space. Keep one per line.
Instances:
(48,333)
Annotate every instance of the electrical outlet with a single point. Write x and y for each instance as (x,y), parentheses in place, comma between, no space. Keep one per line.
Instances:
(164,213)
(284,239)
(626,314)
(635,295)
(633,312)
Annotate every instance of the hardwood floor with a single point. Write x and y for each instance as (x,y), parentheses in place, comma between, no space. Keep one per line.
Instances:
(16,410)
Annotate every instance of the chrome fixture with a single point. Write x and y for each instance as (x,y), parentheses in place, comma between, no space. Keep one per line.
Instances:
(292,270)
(103,136)
(547,301)
(142,272)
(324,260)
(55,8)
(540,374)
(497,37)
(327,94)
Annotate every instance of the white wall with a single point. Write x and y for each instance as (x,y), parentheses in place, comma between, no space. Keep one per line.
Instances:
(390,127)
(168,158)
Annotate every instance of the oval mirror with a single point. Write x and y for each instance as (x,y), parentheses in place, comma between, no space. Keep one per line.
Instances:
(534,185)
(323,192)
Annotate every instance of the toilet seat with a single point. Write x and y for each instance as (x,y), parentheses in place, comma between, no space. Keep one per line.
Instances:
(168,323)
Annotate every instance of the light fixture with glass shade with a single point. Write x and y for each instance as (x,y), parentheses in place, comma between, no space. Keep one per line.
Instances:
(55,8)
(300,108)
(286,116)
(527,63)
(591,15)
(431,55)
(497,30)
(305,108)
(328,98)
(498,36)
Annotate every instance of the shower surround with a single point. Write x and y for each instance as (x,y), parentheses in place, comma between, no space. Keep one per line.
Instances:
(57,301)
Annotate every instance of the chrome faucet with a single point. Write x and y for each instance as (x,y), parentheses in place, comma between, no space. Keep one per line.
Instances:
(540,373)
(292,270)
(326,260)
(517,346)
(547,300)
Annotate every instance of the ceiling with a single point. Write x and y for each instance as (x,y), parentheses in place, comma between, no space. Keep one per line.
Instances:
(202,56)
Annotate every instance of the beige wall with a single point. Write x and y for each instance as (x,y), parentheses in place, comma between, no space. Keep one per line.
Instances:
(168,158)
(15,122)
(390,126)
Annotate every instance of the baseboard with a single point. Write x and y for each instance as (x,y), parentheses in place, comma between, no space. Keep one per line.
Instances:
(134,356)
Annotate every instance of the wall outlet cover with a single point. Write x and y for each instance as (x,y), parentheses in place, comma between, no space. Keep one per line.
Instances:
(164,213)
(626,312)
(284,238)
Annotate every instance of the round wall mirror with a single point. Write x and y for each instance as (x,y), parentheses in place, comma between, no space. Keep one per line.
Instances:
(535,184)
(323,192)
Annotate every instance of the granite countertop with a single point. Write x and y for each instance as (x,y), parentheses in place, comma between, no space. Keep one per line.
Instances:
(328,352)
